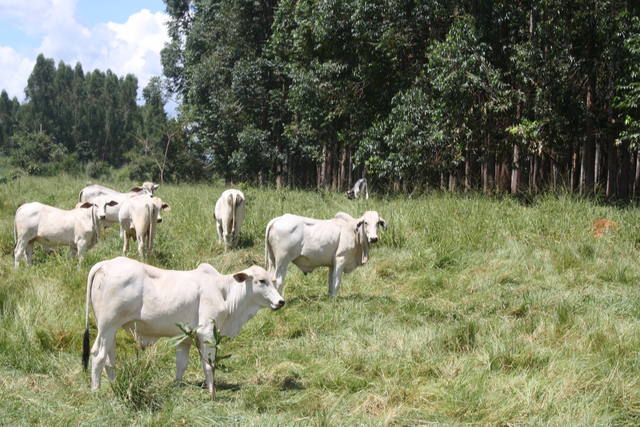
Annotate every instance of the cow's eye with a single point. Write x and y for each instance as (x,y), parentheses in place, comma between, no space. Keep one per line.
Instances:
(263,282)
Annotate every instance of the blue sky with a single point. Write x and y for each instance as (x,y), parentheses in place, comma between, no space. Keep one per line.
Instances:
(124,36)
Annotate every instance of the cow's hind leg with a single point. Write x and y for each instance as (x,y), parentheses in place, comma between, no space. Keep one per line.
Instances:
(19,252)
(110,365)
(28,253)
(219,231)
(100,352)
(280,273)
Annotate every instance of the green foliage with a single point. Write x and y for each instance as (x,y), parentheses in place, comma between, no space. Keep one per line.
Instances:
(37,153)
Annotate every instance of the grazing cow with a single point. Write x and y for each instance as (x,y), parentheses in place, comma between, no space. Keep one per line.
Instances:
(76,228)
(229,214)
(138,217)
(359,188)
(341,243)
(150,302)
(91,192)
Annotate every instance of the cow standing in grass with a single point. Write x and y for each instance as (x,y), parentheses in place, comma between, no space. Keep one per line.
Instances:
(138,217)
(150,302)
(77,228)
(359,189)
(229,215)
(93,193)
(340,243)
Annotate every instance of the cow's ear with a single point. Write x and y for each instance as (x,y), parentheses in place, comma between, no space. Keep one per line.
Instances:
(383,224)
(112,203)
(166,207)
(86,205)
(155,186)
(136,189)
(241,277)
(358,225)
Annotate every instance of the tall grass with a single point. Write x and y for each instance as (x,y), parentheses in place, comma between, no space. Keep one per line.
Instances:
(470,310)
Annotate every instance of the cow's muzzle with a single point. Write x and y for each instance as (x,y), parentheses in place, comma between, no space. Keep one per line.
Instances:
(102,216)
(159,219)
(373,239)
(277,306)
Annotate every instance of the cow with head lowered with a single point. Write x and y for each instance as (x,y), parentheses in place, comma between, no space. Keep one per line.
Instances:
(340,243)
(359,189)
(76,228)
(151,303)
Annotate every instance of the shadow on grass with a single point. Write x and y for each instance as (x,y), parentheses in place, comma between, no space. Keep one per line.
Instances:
(220,385)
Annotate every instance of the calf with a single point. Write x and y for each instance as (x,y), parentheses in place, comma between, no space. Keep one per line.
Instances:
(340,243)
(76,228)
(138,217)
(92,193)
(229,214)
(150,302)
(359,188)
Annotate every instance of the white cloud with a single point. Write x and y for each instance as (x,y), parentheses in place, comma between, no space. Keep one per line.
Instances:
(130,47)
(14,71)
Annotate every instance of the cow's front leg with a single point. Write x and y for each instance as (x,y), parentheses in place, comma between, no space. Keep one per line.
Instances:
(335,275)
(208,355)
(182,359)
(81,249)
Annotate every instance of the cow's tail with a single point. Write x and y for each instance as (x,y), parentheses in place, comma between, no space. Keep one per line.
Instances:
(96,223)
(86,337)
(151,232)
(15,235)
(232,229)
(269,258)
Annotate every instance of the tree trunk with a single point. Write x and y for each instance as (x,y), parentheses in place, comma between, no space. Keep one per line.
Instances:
(612,163)
(623,183)
(575,170)
(467,173)
(597,167)
(452,181)
(636,181)
(515,171)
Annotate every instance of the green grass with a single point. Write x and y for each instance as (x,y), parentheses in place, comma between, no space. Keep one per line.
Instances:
(470,310)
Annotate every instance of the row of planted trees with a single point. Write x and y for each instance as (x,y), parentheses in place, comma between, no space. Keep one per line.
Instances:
(90,122)
(484,94)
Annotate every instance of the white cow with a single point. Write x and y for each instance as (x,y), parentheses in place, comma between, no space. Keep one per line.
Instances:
(359,188)
(341,243)
(229,214)
(92,192)
(76,228)
(150,302)
(138,217)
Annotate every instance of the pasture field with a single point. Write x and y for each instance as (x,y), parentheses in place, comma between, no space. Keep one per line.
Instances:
(471,310)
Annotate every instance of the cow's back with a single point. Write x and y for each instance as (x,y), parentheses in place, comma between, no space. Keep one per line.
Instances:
(308,242)
(146,299)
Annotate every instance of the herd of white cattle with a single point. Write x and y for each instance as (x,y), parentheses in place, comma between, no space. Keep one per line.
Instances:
(151,303)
